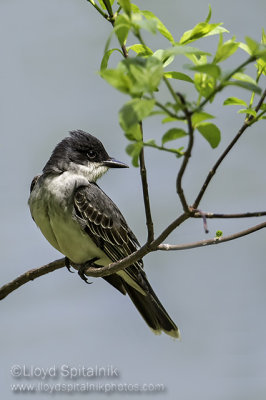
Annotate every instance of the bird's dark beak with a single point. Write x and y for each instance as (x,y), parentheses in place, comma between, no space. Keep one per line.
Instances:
(113,163)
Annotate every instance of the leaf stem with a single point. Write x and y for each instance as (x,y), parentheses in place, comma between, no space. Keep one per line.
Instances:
(162,148)
(98,9)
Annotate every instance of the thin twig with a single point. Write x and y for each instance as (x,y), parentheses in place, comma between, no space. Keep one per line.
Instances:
(198,214)
(162,148)
(167,111)
(145,191)
(98,9)
(109,9)
(137,255)
(187,155)
(175,95)
(208,242)
(144,181)
(217,164)
(225,153)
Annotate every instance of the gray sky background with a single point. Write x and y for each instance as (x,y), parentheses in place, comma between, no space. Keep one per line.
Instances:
(50,55)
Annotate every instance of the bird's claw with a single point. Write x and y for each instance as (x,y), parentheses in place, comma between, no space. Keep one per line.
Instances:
(83,267)
(68,265)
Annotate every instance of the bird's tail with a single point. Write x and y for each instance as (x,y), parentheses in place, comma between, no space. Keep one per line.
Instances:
(152,310)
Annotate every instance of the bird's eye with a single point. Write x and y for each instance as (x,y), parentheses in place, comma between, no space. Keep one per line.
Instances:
(91,154)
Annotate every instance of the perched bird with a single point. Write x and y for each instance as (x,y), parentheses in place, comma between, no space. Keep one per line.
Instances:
(83,223)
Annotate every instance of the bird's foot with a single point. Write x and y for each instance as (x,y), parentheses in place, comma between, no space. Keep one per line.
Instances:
(68,265)
(83,267)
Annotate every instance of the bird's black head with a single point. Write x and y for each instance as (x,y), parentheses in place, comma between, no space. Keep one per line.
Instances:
(83,152)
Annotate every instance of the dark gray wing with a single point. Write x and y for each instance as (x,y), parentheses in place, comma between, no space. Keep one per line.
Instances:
(33,182)
(106,226)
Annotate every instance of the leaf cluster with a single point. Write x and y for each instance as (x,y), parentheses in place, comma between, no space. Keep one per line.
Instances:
(143,70)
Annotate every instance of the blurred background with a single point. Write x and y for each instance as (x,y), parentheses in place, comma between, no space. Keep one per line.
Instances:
(50,55)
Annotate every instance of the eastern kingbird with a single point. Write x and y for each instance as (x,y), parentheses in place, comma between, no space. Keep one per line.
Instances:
(83,223)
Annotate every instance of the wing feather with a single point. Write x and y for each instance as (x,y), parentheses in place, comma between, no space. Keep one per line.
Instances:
(105,224)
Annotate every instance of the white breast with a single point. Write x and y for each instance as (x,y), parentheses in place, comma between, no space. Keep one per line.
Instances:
(51,205)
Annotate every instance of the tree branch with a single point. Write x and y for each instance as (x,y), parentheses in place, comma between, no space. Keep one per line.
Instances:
(30,276)
(125,262)
(187,155)
(198,214)
(208,242)
(94,272)
(145,191)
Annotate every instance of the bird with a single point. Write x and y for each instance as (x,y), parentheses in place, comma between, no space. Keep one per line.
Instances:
(84,224)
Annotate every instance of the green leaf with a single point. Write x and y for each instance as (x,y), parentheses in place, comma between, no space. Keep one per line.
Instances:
(135,76)
(122,27)
(204,84)
(245,85)
(240,76)
(160,26)
(182,50)
(261,62)
(252,45)
(256,49)
(133,112)
(144,73)
(139,22)
(135,9)
(151,143)
(261,65)
(179,152)
(106,57)
(164,59)
(244,47)
(198,59)
(168,119)
(198,117)
(210,132)
(209,69)
(248,111)
(103,5)
(140,49)
(201,30)
(234,101)
(173,134)
(209,15)
(178,75)
(126,5)
(134,150)
(225,50)
(134,133)
(118,79)
(263,37)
